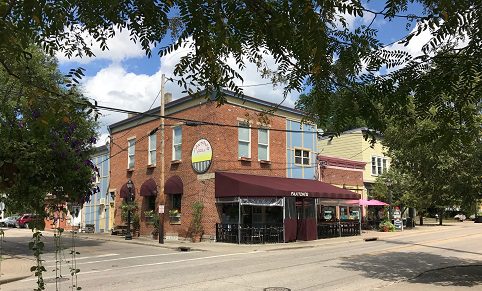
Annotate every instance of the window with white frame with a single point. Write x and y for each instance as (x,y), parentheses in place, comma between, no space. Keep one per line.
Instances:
(263,144)
(302,157)
(151,158)
(131,153)
(244,140)
(379,165)
(176,143)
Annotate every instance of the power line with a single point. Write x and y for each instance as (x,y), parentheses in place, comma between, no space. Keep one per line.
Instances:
(152,104)
(193,122)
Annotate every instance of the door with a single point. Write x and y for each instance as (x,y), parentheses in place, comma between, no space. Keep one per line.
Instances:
(306,222)
(111,215)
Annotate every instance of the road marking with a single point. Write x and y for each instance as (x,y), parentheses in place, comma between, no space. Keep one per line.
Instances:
(128,258)
(422,244)
(84,258)
(155,264)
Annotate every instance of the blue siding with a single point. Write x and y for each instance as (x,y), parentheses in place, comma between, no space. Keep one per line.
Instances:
(94,209)
(305,140)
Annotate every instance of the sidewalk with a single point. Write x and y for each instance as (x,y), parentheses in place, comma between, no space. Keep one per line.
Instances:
(17,268)
(14,269)
(229,247)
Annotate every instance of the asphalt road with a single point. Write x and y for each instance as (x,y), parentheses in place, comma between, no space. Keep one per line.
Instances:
(448,258)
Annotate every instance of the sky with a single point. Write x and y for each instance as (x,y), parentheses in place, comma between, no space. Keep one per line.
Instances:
(123,77)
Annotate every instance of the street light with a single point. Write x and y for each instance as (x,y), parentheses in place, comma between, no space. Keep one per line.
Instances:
(389,192)
(129,199)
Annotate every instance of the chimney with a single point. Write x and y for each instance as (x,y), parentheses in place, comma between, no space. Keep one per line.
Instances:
(167,97)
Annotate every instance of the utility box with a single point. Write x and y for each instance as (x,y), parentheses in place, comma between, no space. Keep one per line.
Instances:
(89,228)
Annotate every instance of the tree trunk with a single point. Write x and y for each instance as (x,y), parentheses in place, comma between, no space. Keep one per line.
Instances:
(421,219)
(440,215)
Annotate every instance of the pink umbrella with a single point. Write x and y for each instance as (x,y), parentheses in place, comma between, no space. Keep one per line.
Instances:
(364,202)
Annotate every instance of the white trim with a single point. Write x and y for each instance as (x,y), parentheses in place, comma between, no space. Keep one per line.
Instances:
(302,150)
(173,156)
(267,144)
(378,169)
(245,141)
(129,140)
(150,149)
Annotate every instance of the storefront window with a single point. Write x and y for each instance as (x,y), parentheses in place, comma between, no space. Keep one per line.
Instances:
(344,215)
(327,213)
(230,213)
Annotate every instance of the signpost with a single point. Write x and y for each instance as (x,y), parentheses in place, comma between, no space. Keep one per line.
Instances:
(161,223)
(397,219)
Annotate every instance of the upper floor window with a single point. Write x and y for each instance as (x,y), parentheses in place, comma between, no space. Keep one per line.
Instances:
(244,140)
(302,157)
(379,165)
(151,159)
(131,152)
(176,143)
(263,144)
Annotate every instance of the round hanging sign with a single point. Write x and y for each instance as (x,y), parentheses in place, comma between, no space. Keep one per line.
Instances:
(201,156)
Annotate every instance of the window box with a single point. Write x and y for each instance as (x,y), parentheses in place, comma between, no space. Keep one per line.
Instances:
(130,170)
(265,162)
(244,159)
(173,162)
(175,219)
(151,166)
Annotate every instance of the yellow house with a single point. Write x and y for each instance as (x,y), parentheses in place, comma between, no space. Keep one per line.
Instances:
(352,145)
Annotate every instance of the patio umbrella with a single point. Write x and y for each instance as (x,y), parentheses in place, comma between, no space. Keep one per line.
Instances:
(364,202)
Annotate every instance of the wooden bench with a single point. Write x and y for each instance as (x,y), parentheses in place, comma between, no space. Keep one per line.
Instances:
(119,230)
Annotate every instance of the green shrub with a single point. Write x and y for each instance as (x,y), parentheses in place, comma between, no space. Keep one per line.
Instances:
(386,226)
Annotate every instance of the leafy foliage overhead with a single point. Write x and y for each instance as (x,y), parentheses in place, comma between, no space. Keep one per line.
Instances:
(310,41)
(46,141)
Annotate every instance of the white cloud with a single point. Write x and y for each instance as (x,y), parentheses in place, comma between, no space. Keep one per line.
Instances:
(121,47)
(114,86)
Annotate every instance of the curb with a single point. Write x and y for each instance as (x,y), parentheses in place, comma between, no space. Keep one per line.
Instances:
(13,279)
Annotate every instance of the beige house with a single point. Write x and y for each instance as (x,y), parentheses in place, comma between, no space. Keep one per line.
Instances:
(352,145)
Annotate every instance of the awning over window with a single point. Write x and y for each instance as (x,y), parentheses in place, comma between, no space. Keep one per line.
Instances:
(173,185)
(149,188)
(241,185)
(124,191)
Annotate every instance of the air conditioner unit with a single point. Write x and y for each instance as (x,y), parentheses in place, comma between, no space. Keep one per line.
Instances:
(102,201)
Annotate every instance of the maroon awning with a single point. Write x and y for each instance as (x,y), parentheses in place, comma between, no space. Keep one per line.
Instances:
(241,185)
(124,191)
(149,188)
(174,185)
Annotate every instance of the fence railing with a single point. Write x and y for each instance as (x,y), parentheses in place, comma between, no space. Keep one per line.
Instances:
(233,233)
(337,228)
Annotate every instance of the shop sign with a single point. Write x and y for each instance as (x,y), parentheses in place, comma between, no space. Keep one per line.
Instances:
(201,156)
(397,219)
(299,194)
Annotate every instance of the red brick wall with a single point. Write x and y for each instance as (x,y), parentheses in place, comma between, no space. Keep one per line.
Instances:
(352,179)
(224,142)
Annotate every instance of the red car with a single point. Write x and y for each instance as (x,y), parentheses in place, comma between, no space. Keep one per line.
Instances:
(25,220)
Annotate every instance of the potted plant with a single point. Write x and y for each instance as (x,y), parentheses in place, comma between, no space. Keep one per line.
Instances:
(174,216)
(386,226)
(196,223)
(156,222)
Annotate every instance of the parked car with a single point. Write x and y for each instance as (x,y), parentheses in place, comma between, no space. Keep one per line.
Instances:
(9,221)
(461,217)
(25,220)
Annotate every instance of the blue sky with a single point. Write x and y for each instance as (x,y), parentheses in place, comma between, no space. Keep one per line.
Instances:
(123,77)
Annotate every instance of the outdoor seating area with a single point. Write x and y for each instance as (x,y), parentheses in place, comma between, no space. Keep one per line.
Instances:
(232,233)
(337,229)
(119,230)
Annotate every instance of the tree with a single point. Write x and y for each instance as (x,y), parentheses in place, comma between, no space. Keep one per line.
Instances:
(310,40)
(46,142)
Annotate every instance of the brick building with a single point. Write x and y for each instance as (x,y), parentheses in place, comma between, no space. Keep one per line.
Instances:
(232,138)
(342,173)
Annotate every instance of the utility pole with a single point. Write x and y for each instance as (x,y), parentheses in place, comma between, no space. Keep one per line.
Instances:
(162,198)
